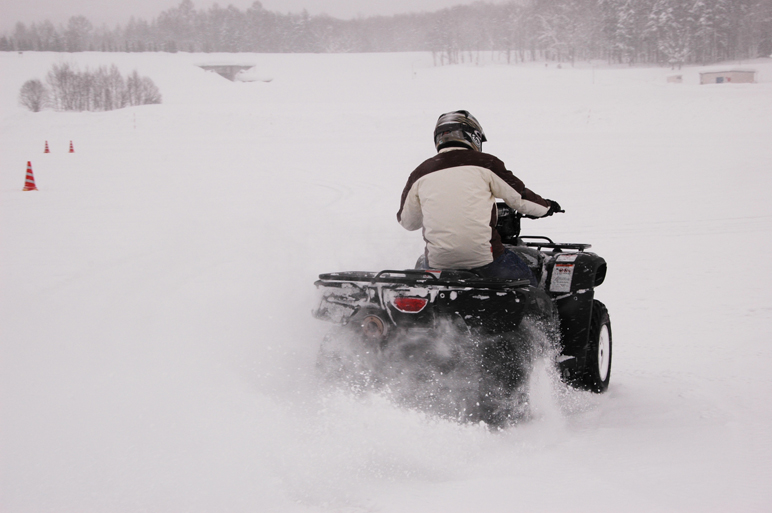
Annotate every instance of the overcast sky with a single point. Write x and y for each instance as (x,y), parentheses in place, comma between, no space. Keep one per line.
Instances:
(120,11)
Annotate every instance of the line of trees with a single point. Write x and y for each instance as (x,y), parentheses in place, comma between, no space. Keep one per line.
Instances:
(67,88)
(670,32)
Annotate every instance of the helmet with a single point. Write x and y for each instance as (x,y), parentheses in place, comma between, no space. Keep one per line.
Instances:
(458,128)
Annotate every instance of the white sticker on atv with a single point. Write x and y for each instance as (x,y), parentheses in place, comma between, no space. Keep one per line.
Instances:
(567,257)
(562,274)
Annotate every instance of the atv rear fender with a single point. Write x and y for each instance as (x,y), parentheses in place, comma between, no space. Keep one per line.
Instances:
(571,278)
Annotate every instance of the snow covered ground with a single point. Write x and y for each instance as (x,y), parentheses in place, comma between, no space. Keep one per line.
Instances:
(156,343)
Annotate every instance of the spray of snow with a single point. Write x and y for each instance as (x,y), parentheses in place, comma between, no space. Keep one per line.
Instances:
(437,373)
(451,374)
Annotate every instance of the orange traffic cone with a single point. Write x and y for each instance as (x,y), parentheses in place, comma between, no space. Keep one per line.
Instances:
(47,150)
(29,183)
(72,150)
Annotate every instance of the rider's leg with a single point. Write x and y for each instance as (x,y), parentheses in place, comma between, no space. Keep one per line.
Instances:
(509,266)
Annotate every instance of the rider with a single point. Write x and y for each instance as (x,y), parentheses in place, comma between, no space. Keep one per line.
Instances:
(452,196)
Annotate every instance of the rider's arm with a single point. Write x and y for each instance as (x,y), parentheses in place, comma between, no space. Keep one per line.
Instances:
(513,191)
(410,215)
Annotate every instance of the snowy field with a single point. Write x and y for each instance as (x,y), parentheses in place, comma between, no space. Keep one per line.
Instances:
(156,343)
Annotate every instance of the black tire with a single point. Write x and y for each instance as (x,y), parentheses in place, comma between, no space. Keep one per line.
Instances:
(597,367)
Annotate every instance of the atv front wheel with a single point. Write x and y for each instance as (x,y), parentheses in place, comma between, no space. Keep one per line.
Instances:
(597,369)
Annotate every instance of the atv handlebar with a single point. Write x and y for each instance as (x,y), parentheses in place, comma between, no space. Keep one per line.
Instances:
(508,222)
(520,215)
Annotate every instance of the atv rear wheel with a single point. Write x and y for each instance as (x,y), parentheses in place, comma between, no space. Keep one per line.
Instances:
(597,368)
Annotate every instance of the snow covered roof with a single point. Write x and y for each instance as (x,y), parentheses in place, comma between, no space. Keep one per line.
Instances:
(227,70)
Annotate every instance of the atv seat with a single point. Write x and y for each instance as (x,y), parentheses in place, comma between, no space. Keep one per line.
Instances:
(533,258)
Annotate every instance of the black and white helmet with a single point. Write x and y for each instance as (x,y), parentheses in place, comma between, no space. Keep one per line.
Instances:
(458,128)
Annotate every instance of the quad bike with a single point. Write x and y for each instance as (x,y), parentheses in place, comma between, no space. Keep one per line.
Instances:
(461,345)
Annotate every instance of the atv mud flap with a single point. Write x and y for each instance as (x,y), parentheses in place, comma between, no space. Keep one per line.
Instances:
(575,313)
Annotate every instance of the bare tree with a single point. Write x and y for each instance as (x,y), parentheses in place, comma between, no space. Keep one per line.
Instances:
(61,78)
(141,90)
(103,89)
(115,89)
(33,95)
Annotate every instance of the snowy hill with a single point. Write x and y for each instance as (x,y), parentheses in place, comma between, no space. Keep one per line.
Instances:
(156,343)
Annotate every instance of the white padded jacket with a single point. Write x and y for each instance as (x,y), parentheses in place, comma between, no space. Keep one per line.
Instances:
(452,196)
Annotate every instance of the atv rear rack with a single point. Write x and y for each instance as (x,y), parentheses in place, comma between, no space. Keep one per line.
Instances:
(558,246)
(466,279)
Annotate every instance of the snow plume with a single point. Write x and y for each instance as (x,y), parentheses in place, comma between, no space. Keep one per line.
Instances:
(451,373)
(551,401)
(544,387)
(431,372)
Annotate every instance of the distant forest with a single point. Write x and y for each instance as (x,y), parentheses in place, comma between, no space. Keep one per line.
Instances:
(665,32)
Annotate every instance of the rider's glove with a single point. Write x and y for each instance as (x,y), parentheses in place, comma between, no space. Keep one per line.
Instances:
(554,208)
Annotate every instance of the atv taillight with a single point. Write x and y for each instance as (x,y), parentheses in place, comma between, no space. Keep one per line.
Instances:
(409,304)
